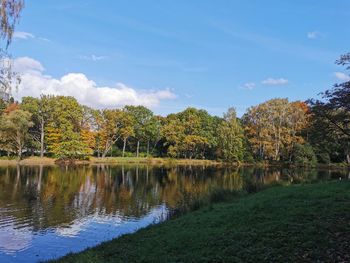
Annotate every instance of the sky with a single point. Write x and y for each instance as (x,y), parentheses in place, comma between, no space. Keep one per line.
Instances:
(169,55)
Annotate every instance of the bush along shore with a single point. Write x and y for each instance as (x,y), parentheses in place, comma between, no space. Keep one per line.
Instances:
(298,223)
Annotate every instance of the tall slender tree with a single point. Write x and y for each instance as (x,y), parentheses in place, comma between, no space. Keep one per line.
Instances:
(41,109)
(126,130)
(231,137)
(109,132)
(142,117)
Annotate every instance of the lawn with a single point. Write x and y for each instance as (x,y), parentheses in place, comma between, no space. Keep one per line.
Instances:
(298,223)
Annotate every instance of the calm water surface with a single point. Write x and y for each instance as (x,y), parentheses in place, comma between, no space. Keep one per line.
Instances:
(47,212)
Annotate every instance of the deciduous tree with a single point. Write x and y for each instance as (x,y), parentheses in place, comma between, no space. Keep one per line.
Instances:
(40,109)
(231,137)
(332,113)
(109,131)
(10,11)
(273,127)
(64,129)
(142,118)
(14,128)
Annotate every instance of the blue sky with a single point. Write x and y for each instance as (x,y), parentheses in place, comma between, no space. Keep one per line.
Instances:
(169,55)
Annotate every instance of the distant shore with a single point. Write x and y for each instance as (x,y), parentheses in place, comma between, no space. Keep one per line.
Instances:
(110,160)
(47,161)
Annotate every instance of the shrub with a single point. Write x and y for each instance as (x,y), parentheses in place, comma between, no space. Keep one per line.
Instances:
(304,155)
(324,158)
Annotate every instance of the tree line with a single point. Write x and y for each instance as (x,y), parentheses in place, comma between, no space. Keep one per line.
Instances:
(278,130)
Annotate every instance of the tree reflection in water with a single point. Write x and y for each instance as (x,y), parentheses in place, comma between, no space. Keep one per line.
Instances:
(41,203)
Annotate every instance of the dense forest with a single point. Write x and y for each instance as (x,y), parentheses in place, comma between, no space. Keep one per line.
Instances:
(277,130)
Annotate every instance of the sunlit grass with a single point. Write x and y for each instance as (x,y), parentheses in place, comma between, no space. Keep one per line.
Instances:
(284,224)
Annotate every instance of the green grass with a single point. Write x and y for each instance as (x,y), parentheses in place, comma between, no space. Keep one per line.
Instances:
(152,160)
(299,223)
(5,161)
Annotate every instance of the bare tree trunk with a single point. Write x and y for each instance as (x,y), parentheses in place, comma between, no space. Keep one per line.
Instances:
(106,150)
(19,153)
(109,146)
(348,158)
(124,146)
(19,144)
(138,148)
(98,147)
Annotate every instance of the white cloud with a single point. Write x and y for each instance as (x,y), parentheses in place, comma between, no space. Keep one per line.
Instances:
(14,239)
(23,35)
(93,57)
(342,76)
(248,85)
(274,82)
(44,39)
(27,65)
(35,82)
(20,35)
(314,34)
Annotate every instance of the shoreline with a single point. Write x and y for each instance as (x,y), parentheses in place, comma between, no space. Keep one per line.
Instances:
(47,161)
(110,161)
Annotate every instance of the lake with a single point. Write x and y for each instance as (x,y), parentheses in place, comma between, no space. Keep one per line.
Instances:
(47,212)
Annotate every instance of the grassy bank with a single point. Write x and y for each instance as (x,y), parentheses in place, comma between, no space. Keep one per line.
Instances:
(152,160)
(27,161)
(4,161)
(109,160)
(281,224)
